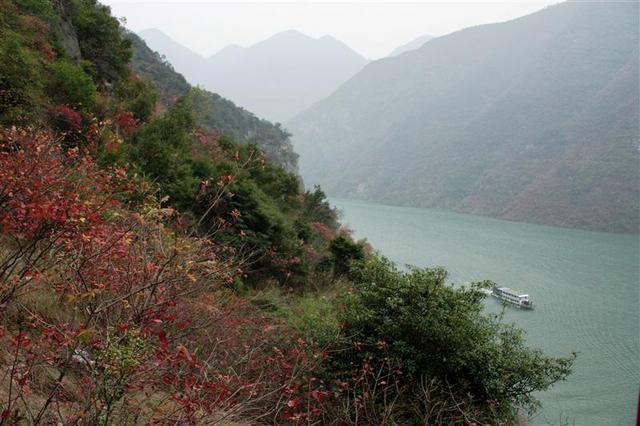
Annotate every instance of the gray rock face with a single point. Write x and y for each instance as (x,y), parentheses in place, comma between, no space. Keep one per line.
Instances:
(67,33)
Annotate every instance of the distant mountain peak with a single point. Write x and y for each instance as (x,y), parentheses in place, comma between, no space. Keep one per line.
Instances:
(276,78)
(230,49)
(291,33)
(282,75)
(163,43)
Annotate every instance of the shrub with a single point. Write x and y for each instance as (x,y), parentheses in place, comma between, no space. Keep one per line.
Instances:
(138,96)
(316,208)
(109,316)
(439,334)
(68,84)
(107,53)
(20,85)
(161,149)
(344,250)
(42,9)
(68,123)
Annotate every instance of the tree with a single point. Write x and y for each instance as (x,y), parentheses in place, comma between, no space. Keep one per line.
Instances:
(107,53)
(69,85)
(344,250)
(438,334)
(162,150)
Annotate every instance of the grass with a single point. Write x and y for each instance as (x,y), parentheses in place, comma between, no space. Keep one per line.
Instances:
(313,312)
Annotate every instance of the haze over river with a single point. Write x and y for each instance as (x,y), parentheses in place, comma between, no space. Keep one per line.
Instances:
(585,286)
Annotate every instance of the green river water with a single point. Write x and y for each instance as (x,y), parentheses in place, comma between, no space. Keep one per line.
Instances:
(585,286)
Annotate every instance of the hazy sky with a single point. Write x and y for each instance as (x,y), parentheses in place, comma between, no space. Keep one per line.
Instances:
(373,28)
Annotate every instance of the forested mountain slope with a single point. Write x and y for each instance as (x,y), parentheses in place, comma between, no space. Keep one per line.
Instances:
(215,112)
(534,119)
(185,61)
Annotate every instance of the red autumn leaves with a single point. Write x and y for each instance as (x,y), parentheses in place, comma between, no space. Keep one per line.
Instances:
(128,316)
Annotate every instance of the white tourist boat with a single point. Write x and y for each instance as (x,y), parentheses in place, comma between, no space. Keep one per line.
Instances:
(511,296)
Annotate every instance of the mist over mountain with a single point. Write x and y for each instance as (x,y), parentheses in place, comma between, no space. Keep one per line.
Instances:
(213,111)
(412,45)
(185,61)
(275,78)
(534,119)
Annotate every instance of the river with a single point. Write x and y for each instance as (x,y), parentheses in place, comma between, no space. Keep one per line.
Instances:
(585,286)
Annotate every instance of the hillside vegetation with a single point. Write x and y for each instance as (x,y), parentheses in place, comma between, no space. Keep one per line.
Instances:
(154,271)
(533,119)
(276,78)
(213,111)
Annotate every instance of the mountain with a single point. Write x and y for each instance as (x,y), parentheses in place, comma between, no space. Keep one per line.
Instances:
(275,78)
(412,45)
(283,75)
(534,120)
(185,61)
(215,112)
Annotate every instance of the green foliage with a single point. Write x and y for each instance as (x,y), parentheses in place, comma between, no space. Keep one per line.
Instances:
(122,354)
(312,313)
(315,316)
(139,97)
(162,151)
(280,185)
(344,251)
(265,230)
(119,359)
(303,230)
(213,111)
(221,115)
(259,212)
(100,39)
(20,82)
(39,8)
(151,66)
(317,209)
(68,84)
(261,220)
(437,331)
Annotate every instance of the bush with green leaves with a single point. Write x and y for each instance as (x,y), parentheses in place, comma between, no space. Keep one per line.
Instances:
(317,208)
(344,250)
(161,150)
(440,334)
(139,97)
(39,8)
(20,83)
(105,51)
(68,84)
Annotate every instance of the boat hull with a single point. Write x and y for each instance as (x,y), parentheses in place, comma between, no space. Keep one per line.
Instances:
(528,306)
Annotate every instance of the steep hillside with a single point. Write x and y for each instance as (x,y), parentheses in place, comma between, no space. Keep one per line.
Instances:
(216,112)
(187,62)
(412,45)
(533,120)
(275,78)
